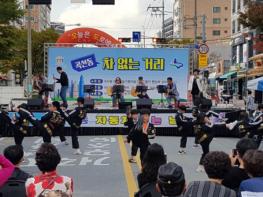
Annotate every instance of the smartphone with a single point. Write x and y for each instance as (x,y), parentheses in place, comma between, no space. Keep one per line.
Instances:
(234,152)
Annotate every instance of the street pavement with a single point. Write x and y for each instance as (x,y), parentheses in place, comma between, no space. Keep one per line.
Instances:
(103,170)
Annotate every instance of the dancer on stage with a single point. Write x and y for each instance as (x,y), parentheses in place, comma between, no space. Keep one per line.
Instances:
(21,120)
(63,80)
(142,132)
(75,119)
(132,119)
(53,123)
(117,92)
(172,92)
(184,125)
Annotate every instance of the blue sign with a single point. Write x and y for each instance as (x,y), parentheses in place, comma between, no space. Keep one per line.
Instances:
(84,63)
(136,36)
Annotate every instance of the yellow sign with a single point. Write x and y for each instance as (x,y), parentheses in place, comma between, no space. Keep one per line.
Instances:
(203,59)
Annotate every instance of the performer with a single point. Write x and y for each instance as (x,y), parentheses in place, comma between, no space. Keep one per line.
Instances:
(75,119)
(184,125)
(63,80)
(21,120)
(142,132)
(53,122)
(143,94)
(132,119)
(172,92)
(195,87)
(5,121)
(117,92)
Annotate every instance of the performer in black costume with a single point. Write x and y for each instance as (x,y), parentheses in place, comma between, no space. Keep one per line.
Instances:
(184,125)
(142,132)
(75,119)
(53,123)
(5,122)
(21,121)
(132,118)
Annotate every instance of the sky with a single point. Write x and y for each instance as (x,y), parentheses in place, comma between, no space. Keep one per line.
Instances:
(118,20)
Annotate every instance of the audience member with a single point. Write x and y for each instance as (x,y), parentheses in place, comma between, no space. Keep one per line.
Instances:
(216,165)
(171,180)
(6,169)
(237,173)
(153,159)
(15,154)
(253,163)
(47,159)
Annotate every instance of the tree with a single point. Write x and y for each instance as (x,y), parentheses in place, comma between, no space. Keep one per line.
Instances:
(10,11)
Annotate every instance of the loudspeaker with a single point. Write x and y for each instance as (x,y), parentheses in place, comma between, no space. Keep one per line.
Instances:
(35,104)
(125,105)
(103,2)
(89,103)
(144,103)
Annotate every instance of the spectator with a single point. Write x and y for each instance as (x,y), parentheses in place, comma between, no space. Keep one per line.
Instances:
(216,165)
(171,180)
(15,154)
(57,194)
(253,163)
(47,158)
(6,169)
(250,103)
(237,174)
(153,159)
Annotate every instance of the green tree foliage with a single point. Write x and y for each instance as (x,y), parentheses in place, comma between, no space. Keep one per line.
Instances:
(10,11)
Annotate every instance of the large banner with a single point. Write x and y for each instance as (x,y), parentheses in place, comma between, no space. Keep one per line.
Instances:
(100,67)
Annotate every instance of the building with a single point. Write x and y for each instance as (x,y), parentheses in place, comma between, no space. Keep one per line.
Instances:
(168,28)
(40,16)
(217,12)
(58,27)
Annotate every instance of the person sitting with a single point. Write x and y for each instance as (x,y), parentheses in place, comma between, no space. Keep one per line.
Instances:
(237,173)
(15,154)
(172,92)
(47,159)
(216,165)
(6,169)
(143,94)
(253,163)
(153,159)
(171,180)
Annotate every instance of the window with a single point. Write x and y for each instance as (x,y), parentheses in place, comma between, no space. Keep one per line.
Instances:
(233,27)
(216,21)
(216,32)
(238,4)
(226,19)
(234,6)
(238,27)
(216,9)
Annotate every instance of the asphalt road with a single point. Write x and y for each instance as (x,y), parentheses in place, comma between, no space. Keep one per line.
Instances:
(103,170)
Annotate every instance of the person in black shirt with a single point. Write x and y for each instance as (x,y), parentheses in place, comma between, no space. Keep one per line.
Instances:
(195,87)
(5,122)
(132,119)
(237,173)
(63,80)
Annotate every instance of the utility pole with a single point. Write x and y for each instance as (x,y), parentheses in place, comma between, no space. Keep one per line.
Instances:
(204,28)
(163,36)
(195,34)
(29,52)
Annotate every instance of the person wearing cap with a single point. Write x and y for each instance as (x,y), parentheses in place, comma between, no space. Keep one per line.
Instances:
(75,118)
(142,132)
(184,125)
(53,122)
(171,180)
(195,87)
(21,121)
(144,93)
(172,92)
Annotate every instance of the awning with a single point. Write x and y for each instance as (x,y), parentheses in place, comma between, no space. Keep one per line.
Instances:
(228,75)
(255,84)
(256,57)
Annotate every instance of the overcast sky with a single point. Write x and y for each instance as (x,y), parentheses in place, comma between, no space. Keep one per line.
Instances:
(118,20)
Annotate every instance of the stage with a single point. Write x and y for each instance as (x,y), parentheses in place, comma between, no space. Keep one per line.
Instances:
(111,122)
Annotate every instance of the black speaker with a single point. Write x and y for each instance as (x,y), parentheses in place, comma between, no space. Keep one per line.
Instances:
(35,104)
(39,2)
(89,103)
(103,2)
(144,103)
(125,105)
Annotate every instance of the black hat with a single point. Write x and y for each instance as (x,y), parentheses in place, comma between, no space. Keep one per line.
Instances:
(170,174)
(182,107)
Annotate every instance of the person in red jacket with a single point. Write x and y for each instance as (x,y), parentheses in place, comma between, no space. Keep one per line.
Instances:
(6,169)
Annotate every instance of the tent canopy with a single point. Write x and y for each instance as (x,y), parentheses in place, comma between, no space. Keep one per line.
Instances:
(255,84)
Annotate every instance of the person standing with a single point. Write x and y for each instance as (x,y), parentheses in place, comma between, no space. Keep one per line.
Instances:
(195,87)
(172,92)
(63,80)
(250,103)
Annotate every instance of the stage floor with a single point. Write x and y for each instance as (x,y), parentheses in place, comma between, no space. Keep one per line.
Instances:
(103,169)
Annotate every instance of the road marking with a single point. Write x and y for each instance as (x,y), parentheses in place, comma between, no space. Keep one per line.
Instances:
(130,180)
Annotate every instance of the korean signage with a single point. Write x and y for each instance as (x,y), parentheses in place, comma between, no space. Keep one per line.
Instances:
(203,60)
(100,67)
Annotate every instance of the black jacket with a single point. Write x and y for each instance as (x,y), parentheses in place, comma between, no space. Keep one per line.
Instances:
(63,79)
(75,117)
(24,118)
(184,123)
(19,175)
(52,120)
